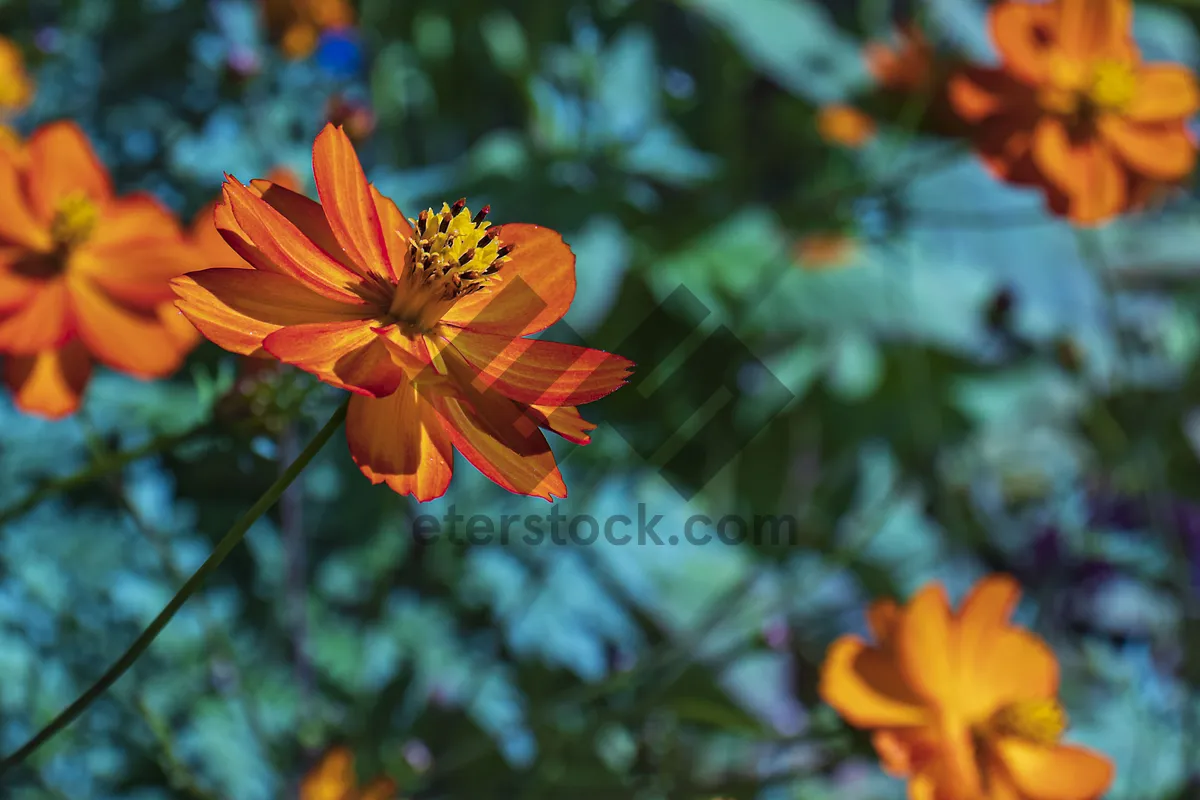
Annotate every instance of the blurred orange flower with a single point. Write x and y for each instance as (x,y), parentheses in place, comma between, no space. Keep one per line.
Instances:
(1073,110)
(83,274)
(845,126)
(906,65)
(963,704)
(333,778)
(423,320)
(16,87)
(820,251)
(297,24)
(203,232)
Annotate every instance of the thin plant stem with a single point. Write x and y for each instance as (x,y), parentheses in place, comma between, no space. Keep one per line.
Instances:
(227,544)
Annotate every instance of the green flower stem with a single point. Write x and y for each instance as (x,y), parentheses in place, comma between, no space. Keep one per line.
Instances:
(227,544)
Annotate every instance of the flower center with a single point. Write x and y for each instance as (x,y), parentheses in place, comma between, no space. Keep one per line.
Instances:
(450,255)
(1113,85)
(74,220)
(1041,721)
(1081,90)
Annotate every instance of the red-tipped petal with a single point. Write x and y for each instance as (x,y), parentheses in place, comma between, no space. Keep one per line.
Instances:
(535,288)
(540,372)
(399,439)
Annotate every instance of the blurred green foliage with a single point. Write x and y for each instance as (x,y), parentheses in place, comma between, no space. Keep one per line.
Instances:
(976,391)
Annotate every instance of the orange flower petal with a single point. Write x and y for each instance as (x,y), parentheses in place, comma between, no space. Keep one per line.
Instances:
(331,779)
(50,383)
(492,437)
(400,439)
(287,248)
(348,203)
(903,751)
(396,231)
(1084,171)
(238,308)
(19,223)
(845,126)
(238,240)
(306,215)
(925,647)
(346,354)
(1158,152)
(538,371)
(15,290)
(535,289)
(566,421)
(63,161)
(1005,663)
(866,687)
(379,789)
(958,776)
(1088,30)
(136,250)
(499,438)
(1064,772)
(411,353)
(1164,92)
(976,93)
(43,323)
(122,338)
(1021,32)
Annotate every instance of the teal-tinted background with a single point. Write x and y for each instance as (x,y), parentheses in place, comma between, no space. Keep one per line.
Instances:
(673,144)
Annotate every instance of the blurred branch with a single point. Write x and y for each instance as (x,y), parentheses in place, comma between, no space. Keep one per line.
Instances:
(100,468)
(227,544)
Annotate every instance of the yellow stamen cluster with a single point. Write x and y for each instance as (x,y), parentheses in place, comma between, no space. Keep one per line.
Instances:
(1042,721)
(74,220)
(1113,86)
(453,254)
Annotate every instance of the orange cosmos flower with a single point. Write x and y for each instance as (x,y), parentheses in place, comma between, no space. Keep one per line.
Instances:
(16,87)
(83,274)
(905,66)
(1073,110)
(845,126)
(963,704)
(424,320)
(333,778)
(297,24)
